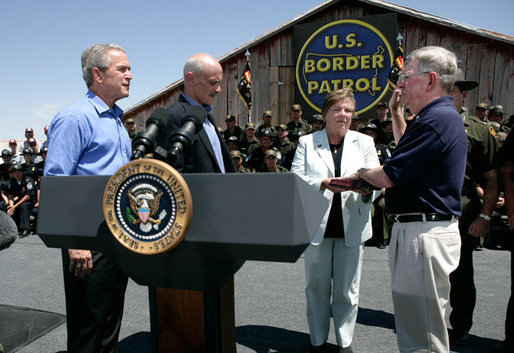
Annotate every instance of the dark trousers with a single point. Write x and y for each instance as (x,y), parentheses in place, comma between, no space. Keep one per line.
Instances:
(509,320)
(381,221)
(3,206)
(21,215)
(94,306)
(463,291)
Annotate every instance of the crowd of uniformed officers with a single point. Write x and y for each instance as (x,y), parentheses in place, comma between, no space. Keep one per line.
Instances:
(20,172)
(267,148)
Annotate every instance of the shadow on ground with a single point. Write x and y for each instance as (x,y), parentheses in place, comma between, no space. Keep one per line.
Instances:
(378,318)
(265,339)
(475,344)
(137,343)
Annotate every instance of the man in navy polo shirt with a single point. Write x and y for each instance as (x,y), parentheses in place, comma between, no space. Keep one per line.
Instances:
(424,179)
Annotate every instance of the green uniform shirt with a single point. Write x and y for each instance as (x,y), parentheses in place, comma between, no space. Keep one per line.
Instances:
(278,169)
(304,125)
(245,170)
(246,147)
(285,147)
(483,146)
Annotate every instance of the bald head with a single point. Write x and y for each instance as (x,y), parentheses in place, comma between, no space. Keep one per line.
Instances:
(202,78)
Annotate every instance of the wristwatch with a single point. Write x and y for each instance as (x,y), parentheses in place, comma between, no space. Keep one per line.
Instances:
(484,216)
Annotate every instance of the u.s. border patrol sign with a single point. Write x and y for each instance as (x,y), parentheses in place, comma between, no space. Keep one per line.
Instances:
(345,53)
(148,206)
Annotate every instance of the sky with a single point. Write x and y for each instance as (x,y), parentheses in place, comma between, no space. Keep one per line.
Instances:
(42,42)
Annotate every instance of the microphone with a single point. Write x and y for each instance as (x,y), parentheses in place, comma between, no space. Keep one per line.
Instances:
(144,142)
(8,230)
(182,137)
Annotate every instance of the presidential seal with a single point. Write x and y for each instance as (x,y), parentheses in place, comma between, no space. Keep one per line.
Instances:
(147,206)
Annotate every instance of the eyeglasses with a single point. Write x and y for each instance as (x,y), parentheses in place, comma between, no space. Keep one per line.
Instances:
(403,77)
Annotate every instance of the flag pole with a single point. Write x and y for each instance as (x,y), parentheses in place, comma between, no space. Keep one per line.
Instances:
(247,54)
(244,87)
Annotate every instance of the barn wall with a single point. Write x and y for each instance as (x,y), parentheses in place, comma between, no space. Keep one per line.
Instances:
(489,61)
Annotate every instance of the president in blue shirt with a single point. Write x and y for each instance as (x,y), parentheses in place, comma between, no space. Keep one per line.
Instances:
(88,138)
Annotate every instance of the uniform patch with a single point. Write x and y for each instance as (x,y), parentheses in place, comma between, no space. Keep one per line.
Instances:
(493,132)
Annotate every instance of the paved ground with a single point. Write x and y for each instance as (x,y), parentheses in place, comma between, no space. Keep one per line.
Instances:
(270,314)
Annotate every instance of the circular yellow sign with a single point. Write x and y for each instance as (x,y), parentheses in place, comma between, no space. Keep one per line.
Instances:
(148,206)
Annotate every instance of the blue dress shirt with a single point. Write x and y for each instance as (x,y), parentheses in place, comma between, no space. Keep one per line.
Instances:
(87,138)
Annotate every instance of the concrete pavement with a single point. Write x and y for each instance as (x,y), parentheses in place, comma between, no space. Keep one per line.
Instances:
(270,302)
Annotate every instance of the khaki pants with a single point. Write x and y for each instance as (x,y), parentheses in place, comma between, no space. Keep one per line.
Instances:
(421,257)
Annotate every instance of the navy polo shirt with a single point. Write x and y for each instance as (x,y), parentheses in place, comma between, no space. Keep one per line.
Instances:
(428,165)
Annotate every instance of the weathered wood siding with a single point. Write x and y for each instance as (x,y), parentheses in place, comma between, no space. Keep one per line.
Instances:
(483,59)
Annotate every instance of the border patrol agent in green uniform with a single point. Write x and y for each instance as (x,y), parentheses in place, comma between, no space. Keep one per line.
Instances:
(249,141)
(481,111)
(481,171)
(232,129)
(267,116)
(317,122)
(271,163)
(130,126)
(238,161)
(285,146)
(297,123)
(496,115)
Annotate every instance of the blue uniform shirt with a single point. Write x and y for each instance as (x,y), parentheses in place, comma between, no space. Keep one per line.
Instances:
(87,138)
(428,165)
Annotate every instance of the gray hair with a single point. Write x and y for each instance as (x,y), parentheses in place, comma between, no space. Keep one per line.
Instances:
(194,65)
(96,56)
(439,60)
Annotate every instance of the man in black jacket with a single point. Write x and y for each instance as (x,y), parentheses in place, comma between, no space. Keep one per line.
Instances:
(208,152)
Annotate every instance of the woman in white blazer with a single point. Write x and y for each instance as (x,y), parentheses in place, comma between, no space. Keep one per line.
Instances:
(333,260)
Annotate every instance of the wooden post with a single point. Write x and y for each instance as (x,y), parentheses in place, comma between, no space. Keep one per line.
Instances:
(193,321)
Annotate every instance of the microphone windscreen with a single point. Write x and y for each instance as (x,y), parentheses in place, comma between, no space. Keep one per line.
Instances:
(8,230)
(159,117)
(195,113)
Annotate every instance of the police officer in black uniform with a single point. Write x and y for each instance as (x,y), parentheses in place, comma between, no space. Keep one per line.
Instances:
(41,164)
(256,158)
(21,197)
(30,168)
(4,167)
(5,176)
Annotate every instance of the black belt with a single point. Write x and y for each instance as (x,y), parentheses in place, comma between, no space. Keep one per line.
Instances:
(422,217)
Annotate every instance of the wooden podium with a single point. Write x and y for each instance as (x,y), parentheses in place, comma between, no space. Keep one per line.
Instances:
(236,217)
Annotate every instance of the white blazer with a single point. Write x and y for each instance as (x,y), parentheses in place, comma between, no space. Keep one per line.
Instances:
(313,162)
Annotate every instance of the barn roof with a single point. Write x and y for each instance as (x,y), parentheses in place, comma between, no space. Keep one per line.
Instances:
(379,3)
